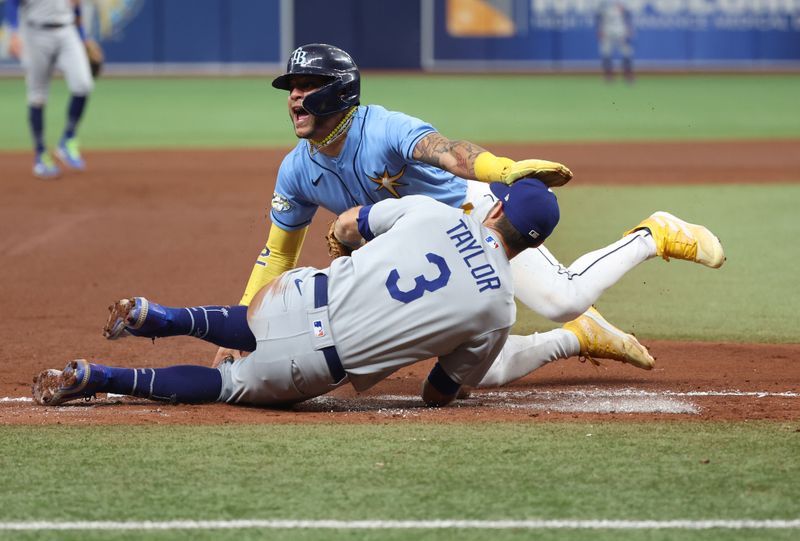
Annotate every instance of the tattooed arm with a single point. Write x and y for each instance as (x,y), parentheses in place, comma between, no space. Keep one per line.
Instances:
(457,157)
(468,160)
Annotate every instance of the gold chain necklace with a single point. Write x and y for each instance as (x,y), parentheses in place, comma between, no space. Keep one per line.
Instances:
(338,131)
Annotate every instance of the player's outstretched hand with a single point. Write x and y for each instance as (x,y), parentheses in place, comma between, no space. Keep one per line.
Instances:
(552,174)
(491,168)
(225,353)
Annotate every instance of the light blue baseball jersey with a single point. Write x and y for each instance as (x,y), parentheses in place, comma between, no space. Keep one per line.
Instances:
(374,164)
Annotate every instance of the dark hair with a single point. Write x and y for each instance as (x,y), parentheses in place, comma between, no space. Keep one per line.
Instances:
(513,239)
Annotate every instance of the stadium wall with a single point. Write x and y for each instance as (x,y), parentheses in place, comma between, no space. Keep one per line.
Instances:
(471,35)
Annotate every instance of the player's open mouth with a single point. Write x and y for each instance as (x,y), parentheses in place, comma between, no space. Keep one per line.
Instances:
(300,114)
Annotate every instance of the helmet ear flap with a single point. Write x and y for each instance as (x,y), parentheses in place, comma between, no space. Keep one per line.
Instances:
(351,88)
(340,94)
(322,102)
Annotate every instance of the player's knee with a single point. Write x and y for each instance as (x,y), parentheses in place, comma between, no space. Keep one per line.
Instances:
(559,308)
(82,88)
(37,99)
(81,85)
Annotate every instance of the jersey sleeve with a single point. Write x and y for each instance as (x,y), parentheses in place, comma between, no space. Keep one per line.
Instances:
(403,132)
(376,219)
(290,209)
(470,361)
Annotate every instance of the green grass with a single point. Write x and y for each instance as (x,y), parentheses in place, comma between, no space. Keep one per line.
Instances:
(750,299)
(657,471)
(236,112)
(486,471)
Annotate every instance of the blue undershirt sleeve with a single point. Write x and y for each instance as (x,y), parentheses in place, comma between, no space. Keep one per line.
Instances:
(363,223)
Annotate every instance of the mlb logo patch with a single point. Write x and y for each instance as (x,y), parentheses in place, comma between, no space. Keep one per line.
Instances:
(319,330)
(492,242)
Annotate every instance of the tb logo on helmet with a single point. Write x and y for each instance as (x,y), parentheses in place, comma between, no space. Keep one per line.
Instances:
(299,57)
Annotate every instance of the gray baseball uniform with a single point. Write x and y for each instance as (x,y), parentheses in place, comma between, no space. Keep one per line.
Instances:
(614,28)
(433,283)
(50,39)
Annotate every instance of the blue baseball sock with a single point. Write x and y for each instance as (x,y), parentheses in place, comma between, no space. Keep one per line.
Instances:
(36,121)
(187,384)
(74,114)
(225,326)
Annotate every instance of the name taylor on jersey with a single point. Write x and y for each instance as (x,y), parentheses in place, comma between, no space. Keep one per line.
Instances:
(468,246)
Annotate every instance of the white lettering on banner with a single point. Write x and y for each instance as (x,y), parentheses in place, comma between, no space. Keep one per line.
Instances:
(700,7)
(667,7)
(762,15)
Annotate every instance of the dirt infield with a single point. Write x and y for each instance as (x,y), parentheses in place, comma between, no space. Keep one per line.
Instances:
(183,227)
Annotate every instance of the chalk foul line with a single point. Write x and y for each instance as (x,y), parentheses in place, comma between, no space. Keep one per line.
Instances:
(406,524)
(589,393)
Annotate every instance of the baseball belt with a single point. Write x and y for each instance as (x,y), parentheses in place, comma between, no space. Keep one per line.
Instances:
(330,353)
(46,26)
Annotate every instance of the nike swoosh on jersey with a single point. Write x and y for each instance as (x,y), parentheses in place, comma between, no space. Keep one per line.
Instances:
(315,181)
(297,283)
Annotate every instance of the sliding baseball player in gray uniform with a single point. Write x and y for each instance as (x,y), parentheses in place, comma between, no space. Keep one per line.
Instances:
(430,281)
(45,36)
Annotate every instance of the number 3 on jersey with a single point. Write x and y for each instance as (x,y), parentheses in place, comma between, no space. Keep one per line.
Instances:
(422,283)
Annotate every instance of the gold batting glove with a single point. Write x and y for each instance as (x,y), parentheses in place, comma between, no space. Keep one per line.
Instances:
(491,168)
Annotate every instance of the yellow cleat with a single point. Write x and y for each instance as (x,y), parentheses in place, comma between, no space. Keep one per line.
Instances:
(600,339)
(682,240)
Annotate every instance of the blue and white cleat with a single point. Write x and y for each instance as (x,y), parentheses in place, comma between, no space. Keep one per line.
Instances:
(135,316)
(44,167)
(124,315)
(79,379)
(70,155)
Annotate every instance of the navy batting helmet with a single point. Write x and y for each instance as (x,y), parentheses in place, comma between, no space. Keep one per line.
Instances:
(343,89)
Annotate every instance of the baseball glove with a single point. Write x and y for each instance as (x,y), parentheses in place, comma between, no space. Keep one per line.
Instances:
(552,174)
(335,247)
(491,168)
(96,57)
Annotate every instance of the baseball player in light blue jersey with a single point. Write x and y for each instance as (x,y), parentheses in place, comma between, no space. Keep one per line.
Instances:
(431,281)
(46,34)
(351,154)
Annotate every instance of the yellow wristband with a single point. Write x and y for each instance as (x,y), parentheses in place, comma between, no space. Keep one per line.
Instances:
(490,168)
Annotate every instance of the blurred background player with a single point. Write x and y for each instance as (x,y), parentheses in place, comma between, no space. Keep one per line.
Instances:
(614,23)
(47,34)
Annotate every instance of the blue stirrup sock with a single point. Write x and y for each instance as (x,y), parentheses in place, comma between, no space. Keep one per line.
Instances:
(225,326)
(36,121)
(74,114)
(186,384)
